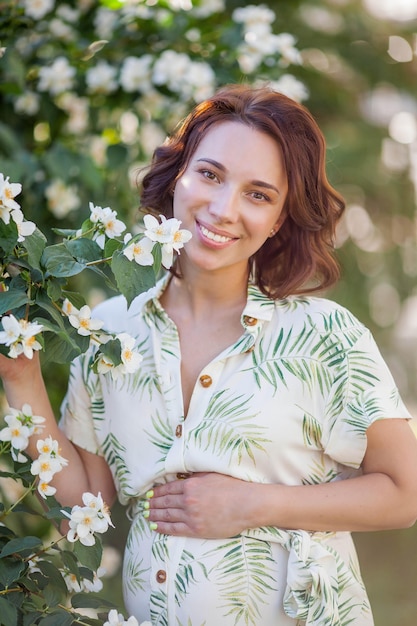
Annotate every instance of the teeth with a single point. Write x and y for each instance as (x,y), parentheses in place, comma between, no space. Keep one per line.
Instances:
(210,235)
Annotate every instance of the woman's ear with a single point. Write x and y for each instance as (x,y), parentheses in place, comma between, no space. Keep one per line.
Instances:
(278,223)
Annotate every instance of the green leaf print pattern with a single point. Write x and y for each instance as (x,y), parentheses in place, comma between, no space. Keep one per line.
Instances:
(244,577)
(115,454)
(162,436)
(236,437)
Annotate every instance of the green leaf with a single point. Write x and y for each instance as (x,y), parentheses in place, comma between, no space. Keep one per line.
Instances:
(69,560)
(131,278)
(12,299)
(63,347)
(84,250)
(8,613)
(10,571)
(8,236)
(30,618)
(112,350)
(54,576)
(58,261)
(58,618)
(90,556)
(54,288)
(22,545)
(74,297)
(35,245)
(86,601)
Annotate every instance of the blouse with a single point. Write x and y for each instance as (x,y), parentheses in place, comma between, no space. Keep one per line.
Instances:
(289,402)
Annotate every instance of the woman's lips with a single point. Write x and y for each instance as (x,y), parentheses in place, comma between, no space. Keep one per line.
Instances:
(212,235)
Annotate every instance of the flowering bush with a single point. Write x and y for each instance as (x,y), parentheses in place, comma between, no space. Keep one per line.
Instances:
(36,578)
(36,308)
(90,88)
(88,91)
(38,311)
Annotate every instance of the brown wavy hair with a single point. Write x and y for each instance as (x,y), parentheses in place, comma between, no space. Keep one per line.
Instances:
(300,257)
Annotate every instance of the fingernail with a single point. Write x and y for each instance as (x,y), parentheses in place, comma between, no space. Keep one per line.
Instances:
(149,494)
(153,525)
(146,505)
(146,513)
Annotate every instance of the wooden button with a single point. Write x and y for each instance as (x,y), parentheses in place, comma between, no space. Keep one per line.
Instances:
(183,475)
(161,576)
(178,430)
(205,380)
(251,349)
(250,321)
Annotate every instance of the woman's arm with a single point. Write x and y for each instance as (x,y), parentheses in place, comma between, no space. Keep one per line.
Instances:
(383,497)
(23,384)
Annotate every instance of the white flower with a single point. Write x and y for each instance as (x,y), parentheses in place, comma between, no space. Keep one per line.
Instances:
(73,585)
(101,78)
(106,224)
(171,69)
(81,320)
(116,619)
(8,192)
(24,227)
(95,585)
(285,46)
(83,523)
(135,74)
(253,14)
(20,336)
(291,87)
(33,422)
(17,433)
(61,198)
(104,22)
(27,103)
(77,109)
(139,251)
(167,233)
(49,461)
(45,489)
(61,30)
(131,359)
(68,308)
(96,503)
(37,9)
(57,78)
(87,520)
(208,7)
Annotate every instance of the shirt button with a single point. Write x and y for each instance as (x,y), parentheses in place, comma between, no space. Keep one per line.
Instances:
(161,576)
(205,380)
(178,431)
(183,475)
(250,321)
(251,349)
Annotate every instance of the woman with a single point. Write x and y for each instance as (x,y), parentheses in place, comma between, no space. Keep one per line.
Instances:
(264,424)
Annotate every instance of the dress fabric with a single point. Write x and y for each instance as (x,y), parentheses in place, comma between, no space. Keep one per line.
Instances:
(289,403)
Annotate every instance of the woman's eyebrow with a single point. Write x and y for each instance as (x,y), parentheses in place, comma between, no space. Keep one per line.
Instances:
(257,183)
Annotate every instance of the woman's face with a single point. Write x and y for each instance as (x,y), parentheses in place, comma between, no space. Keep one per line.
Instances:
(230,196)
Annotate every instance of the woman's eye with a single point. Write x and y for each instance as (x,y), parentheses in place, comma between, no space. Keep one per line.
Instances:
(258,195)
(208,174)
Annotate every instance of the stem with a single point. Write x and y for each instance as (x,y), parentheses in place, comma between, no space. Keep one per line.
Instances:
(22,497)
(106,260)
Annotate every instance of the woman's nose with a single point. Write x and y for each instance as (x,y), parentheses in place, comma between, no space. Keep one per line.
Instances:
(225,206)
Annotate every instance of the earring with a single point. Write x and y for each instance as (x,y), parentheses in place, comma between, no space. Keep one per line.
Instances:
(272,232)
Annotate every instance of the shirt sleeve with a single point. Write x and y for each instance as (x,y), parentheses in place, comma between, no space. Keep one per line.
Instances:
(363,391)
(76,410)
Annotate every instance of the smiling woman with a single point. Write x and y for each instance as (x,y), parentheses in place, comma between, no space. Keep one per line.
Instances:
(263,425)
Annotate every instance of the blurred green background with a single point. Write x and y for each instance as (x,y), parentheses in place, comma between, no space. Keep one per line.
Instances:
(80,133)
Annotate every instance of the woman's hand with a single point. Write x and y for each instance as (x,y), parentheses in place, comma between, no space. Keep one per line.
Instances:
(205,505)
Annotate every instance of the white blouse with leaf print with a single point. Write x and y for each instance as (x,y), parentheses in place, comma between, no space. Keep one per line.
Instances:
(290,403)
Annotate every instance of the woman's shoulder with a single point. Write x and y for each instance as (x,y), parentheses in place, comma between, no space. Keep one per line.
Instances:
(323,314)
